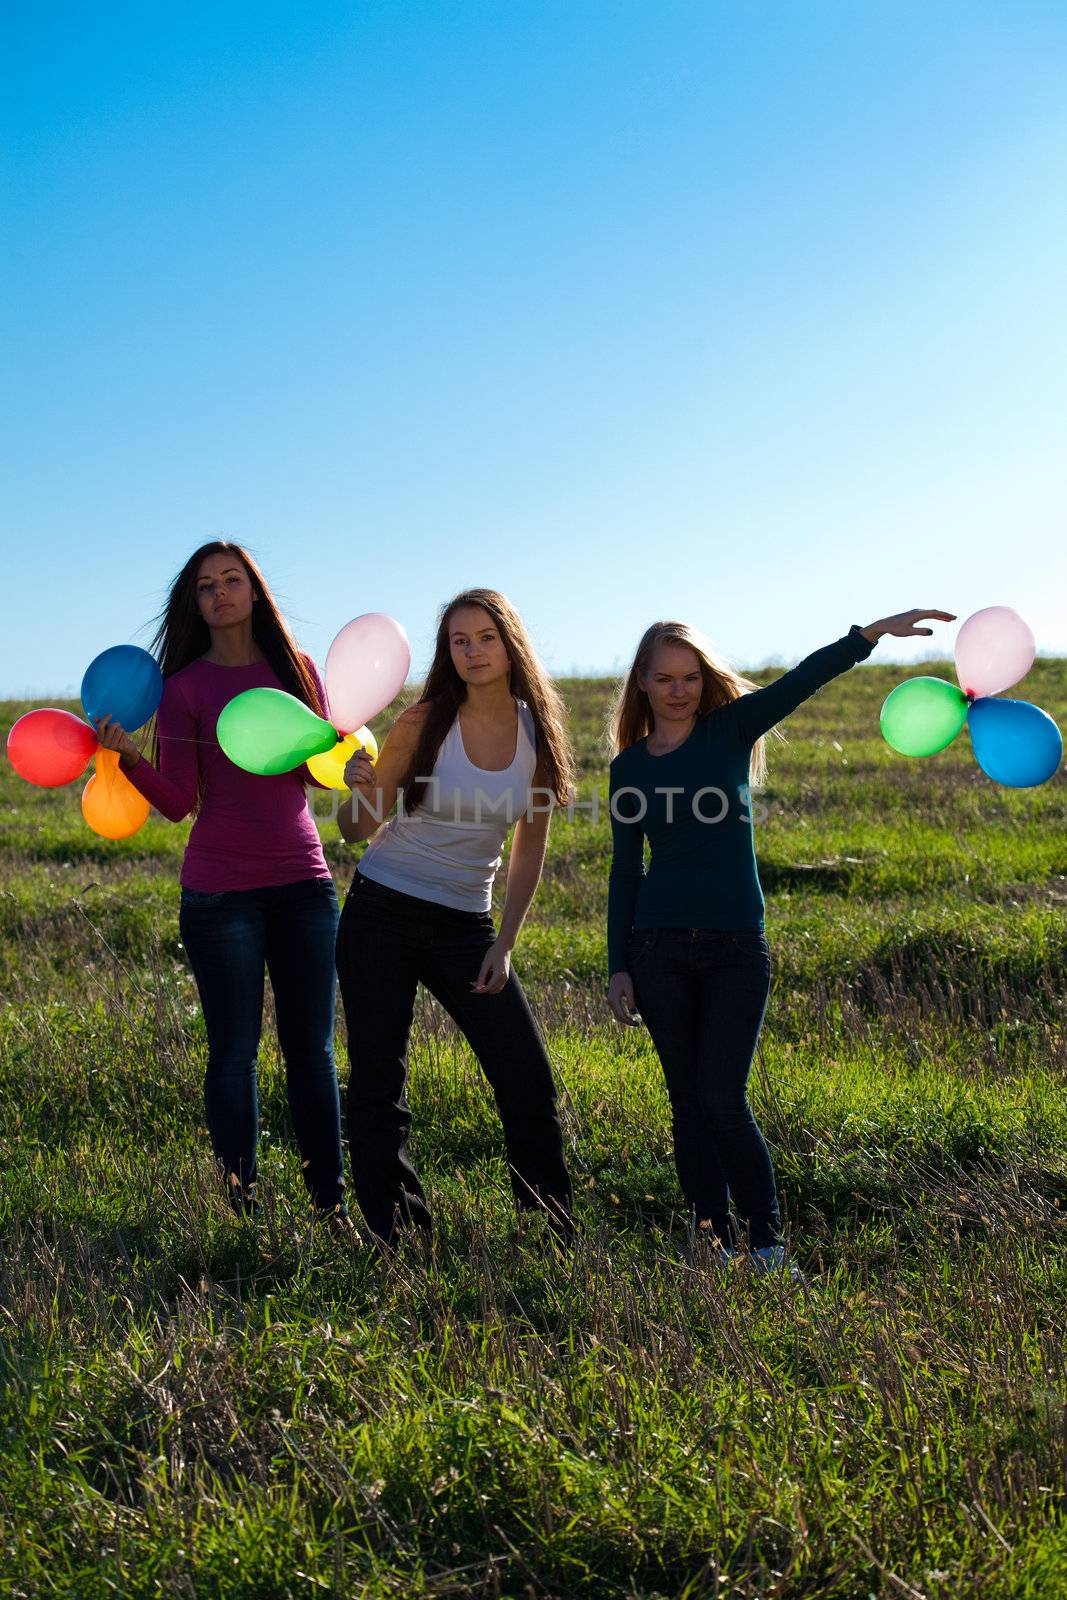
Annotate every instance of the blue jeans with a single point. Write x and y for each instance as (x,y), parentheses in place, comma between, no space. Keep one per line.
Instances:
(230,936)
(702,994)
(388,943)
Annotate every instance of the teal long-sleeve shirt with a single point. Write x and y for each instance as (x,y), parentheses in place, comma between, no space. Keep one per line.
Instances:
(693,804)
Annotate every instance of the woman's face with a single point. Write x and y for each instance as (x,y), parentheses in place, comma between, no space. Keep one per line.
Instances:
(673,682)
(224,591)
(478,653)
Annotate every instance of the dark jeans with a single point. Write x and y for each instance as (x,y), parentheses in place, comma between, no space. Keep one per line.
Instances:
(702,994)
(230,936)
(388,943)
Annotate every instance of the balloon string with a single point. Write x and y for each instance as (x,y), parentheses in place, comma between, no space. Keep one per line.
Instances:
(213,744)
(181,738)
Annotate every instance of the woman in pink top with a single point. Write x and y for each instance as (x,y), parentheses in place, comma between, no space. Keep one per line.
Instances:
(256,890)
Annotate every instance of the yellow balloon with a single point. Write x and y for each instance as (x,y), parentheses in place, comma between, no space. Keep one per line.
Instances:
(329,768)
(111,805)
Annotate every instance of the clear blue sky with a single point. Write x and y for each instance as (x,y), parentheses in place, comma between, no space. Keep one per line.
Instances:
(749,312)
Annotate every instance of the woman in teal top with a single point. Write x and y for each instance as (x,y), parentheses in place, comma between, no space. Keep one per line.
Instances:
(686,947)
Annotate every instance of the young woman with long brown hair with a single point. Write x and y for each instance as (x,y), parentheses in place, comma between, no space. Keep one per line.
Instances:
(485,747)
(686,946)
(256,890)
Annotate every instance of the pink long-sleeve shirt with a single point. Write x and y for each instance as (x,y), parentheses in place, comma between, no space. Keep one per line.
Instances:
(251,832)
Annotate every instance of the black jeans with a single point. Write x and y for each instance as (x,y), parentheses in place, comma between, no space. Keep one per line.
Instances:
(702,994)
(388,943)
(230,936)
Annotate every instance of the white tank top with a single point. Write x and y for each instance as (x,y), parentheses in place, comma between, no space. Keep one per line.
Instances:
(448,849)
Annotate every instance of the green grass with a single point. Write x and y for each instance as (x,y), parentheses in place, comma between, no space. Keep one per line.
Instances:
(192,1407)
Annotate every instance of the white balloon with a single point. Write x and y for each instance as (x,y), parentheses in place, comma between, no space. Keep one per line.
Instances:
(994,649)
(366,668)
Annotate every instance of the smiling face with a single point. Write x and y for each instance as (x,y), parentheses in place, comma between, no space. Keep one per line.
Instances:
(476,647)
(674,684)
(224,592)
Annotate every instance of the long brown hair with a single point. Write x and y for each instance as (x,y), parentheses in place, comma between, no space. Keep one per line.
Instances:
(183,636)
(631,717)
(444,692)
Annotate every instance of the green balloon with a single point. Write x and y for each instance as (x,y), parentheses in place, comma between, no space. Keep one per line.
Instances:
(923,715)
(267,731)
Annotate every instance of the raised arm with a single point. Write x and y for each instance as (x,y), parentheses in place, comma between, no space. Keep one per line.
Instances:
(374,784)
(756,713)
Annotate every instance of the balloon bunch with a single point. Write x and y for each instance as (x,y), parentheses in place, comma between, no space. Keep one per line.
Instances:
(267,731)
(1014,742)
(51,748)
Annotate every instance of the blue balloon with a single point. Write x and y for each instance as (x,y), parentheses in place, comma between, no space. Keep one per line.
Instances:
(124,683)
(1014,742)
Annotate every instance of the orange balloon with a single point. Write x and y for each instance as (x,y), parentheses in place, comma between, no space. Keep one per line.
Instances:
(111,805)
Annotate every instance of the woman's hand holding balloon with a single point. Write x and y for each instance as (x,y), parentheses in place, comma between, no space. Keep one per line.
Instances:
(903,625)
(114,737)
(359,772)
(362,780)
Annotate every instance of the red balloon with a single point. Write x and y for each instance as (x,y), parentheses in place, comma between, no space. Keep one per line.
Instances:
(50,747)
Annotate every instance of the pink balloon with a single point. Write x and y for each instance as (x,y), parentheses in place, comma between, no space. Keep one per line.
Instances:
(366,668)
(994,649)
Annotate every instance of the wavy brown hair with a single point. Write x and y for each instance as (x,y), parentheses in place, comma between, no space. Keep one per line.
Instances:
(183,636)
(631,716)
(444,692)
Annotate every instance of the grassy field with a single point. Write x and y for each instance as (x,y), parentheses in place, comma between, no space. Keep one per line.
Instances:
(194,1407)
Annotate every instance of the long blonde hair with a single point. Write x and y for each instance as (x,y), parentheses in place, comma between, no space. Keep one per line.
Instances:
(631,715)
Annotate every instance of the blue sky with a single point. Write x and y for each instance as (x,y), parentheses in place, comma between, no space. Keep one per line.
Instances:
(749,312)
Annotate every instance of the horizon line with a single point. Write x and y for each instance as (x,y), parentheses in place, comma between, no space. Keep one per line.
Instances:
(612,675)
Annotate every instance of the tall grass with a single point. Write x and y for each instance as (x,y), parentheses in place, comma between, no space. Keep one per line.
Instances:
(195,1407)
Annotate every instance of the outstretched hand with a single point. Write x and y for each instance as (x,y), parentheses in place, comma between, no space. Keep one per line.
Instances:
(903,625)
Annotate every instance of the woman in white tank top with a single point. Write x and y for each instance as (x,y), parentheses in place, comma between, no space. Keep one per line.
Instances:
(484,749)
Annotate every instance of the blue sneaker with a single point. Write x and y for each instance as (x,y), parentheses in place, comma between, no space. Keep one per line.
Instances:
(775,1258)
